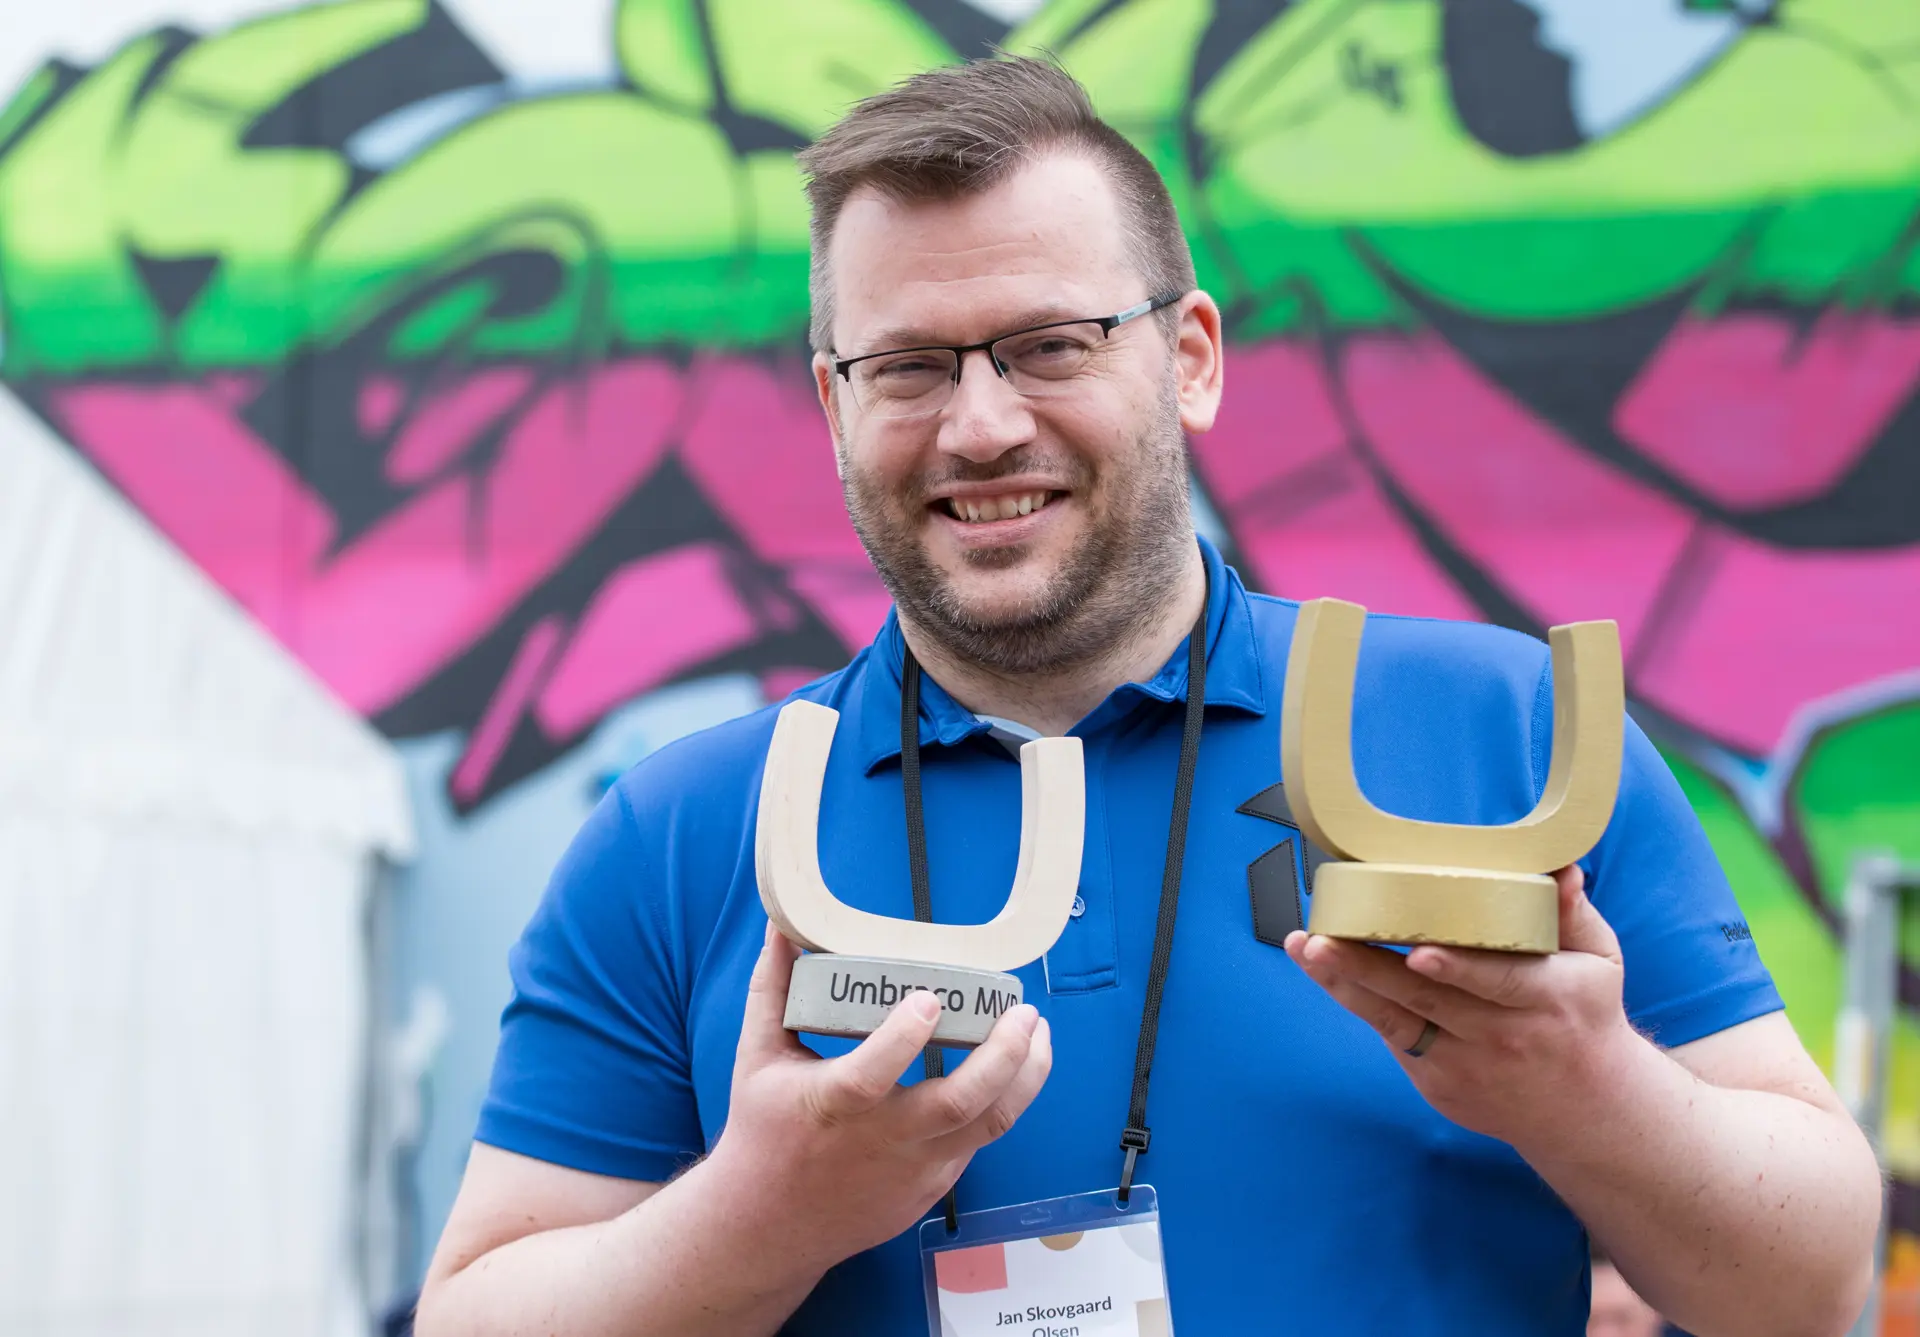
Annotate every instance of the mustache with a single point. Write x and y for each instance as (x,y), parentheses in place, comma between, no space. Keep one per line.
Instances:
(1075,473)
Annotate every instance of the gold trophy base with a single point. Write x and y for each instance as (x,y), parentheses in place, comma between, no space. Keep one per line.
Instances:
(1457,907)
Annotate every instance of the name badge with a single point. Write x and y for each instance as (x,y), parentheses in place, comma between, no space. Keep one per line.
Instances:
(1082,1266)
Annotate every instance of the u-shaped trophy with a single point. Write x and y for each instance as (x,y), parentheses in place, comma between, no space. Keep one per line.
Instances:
(859,965)
(1406,881)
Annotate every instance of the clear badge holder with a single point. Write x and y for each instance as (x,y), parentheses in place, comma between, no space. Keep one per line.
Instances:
(1080,1266)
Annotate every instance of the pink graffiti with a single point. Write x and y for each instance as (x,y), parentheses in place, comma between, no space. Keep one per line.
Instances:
(1337,470)
(504,712)
(760,449)
(376,617)
(1756,413)
(1562,533)
(379,402)
(778,682)
(448,423)
(1757,632)
(652,619)
(1720,631)
(1302,507)
(181,453)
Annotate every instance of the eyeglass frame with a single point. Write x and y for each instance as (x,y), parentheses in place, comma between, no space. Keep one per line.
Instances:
(842,367)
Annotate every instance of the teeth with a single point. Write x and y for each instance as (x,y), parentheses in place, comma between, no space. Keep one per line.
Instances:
(996,508)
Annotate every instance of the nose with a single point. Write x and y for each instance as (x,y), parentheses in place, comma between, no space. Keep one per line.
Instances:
(986,416)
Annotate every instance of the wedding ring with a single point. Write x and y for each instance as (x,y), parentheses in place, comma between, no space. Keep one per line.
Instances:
(1425,1042)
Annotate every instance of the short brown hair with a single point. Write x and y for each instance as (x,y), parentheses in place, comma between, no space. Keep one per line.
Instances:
(961,129)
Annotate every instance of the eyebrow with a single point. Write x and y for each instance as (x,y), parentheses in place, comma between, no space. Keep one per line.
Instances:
(893,337)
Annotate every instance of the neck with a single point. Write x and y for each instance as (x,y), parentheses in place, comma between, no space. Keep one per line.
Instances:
(1053,702)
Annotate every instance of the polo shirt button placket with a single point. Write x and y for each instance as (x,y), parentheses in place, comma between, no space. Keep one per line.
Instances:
(1085,957)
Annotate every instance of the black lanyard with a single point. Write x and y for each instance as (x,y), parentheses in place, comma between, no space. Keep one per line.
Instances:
(1134,1139)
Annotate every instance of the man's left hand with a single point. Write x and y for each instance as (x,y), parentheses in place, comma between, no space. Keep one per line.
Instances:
(1525,1044)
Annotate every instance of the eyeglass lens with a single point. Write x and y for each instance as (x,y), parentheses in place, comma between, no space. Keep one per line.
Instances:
(921,380)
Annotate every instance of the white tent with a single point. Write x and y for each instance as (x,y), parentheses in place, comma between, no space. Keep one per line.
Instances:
(191,838)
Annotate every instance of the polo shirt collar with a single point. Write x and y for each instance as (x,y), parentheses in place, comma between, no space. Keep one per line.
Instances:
(1234,677)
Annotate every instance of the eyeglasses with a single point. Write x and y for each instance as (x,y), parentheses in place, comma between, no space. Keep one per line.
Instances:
(1041,361)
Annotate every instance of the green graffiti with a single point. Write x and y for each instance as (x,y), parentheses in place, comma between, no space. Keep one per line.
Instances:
(1855,790)
(1323,171)
(791,65)
(119,168)
(592,181)
(1848,244)
(73,299)
(1793,940)
(34,94)
(186,187)
(1859,789)
(664,51)
(1644,213)
(1135,61)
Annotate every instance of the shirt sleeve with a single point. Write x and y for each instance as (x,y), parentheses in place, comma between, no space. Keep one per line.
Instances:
(1691,967)
(593,1070)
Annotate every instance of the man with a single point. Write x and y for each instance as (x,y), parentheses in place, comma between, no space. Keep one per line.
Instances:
(657,1155)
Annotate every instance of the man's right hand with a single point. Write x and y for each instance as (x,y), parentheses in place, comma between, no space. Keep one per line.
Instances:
(838,1151)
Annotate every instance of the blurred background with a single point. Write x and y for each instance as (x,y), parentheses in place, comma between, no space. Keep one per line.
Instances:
(405,427)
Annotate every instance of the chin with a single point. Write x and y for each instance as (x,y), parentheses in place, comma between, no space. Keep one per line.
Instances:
(997,600)
(991,609)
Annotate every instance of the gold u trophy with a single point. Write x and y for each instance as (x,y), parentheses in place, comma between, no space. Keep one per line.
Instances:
(859,964)
(1400,880)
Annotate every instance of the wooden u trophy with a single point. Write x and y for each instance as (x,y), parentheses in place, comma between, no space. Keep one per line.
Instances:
(859,964)
(1408,881)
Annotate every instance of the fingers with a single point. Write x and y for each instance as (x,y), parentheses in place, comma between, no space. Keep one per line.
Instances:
(1515,980)
(1002,1114)
(856,1082)
(763,1031)
(951,1103)
(1582,927)
(1398,1026)
(1506,980)
(1341,967)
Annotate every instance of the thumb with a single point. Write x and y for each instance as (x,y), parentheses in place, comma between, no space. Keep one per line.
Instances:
(1582,928)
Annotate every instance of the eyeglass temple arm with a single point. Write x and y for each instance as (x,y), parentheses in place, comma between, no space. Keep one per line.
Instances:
(1108,325)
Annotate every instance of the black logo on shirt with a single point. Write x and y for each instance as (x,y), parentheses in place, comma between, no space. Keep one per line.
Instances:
(1736,932)
(1272,882)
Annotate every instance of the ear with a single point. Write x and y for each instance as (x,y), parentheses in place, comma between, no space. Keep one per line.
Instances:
(1199,361)
(823,380)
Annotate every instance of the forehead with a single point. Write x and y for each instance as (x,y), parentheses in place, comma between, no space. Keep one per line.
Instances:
(1047,242)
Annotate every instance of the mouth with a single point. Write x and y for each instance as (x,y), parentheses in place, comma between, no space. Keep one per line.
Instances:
(986,510)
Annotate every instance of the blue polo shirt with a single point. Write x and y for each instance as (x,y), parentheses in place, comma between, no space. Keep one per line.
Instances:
(1305,1185)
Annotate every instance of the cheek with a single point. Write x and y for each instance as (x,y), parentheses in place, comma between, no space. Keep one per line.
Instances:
(883,469)
(1103,436)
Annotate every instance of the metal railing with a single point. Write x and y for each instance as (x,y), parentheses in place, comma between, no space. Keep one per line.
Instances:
(1877,885)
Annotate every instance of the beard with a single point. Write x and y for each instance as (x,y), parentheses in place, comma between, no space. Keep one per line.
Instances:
(1106,589)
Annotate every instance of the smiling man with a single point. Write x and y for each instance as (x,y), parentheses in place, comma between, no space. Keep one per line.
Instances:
(1010,352)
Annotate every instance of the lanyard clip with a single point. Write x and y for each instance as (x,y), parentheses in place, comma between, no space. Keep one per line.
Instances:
(1134,1141)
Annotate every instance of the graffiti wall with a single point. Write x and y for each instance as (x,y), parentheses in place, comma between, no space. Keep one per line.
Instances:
(466,351)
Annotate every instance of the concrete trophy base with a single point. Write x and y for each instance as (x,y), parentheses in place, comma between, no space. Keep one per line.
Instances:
(850,996)
(1459,907)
